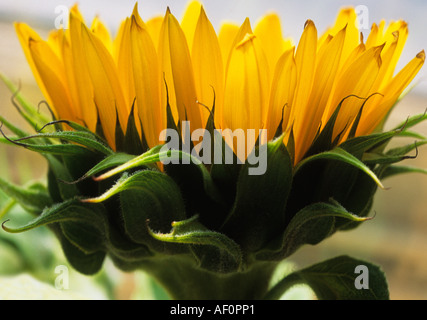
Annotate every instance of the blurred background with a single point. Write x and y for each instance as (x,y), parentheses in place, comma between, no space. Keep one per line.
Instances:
(396,239)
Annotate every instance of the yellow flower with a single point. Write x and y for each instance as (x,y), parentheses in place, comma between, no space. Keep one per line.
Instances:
(256,78)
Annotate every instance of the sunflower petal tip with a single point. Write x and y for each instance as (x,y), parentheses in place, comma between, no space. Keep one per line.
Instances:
(308,23)
(135,8)
(421,55)
(348,10)
(361,39)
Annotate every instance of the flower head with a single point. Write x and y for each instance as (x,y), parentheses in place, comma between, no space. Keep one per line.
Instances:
(254,78)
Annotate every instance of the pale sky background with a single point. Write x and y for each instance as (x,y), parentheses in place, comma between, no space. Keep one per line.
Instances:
(293,13)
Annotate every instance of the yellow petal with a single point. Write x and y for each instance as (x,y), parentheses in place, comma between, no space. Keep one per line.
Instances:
(393,39)
(51,71)
(154,25)
(25,33)
(124,64)
(269,32)
(244,29)
(208,67)
(71,82)
(164,54)
(375,37)
(76,60)
(356,80)
(377,109)
(118,39)
(189,21)
(101,31)
(386,70)
(247,87)
(178,70)
(328,61)
(399,30)
(282,93)
(346,18)
(108,94)
(305,59)
(75,11)
(227,33)
(354,55)
(55,40)
(147,79)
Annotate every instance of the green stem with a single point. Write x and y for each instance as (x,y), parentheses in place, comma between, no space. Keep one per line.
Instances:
(184,281)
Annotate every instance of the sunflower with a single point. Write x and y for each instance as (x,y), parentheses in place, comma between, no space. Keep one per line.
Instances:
(255,78)
(213,230)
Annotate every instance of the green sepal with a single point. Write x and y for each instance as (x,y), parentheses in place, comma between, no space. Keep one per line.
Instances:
(147,158)
(113,160)
(130,141)
(88,264)
(199,192)
(197,187)
(119,135)
(337,279)
(55,149)
(28,112)
(59,126)
(341,155)
(153,198)
(213,251)
(146,195)
(386,161)
(71,210)
(323,140)
(225,173)
(311,225)
(391,171)
(404,150)
(353,129)
(58,176)
(258,214)
(33,198)
(375,142)
(80,229)
(392,156)
(85,139)
(210,128)
(15,130)
(87,237)
(411,134)
(170,121)
(125,253)
(6,207)
(337,175)
(411,121)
